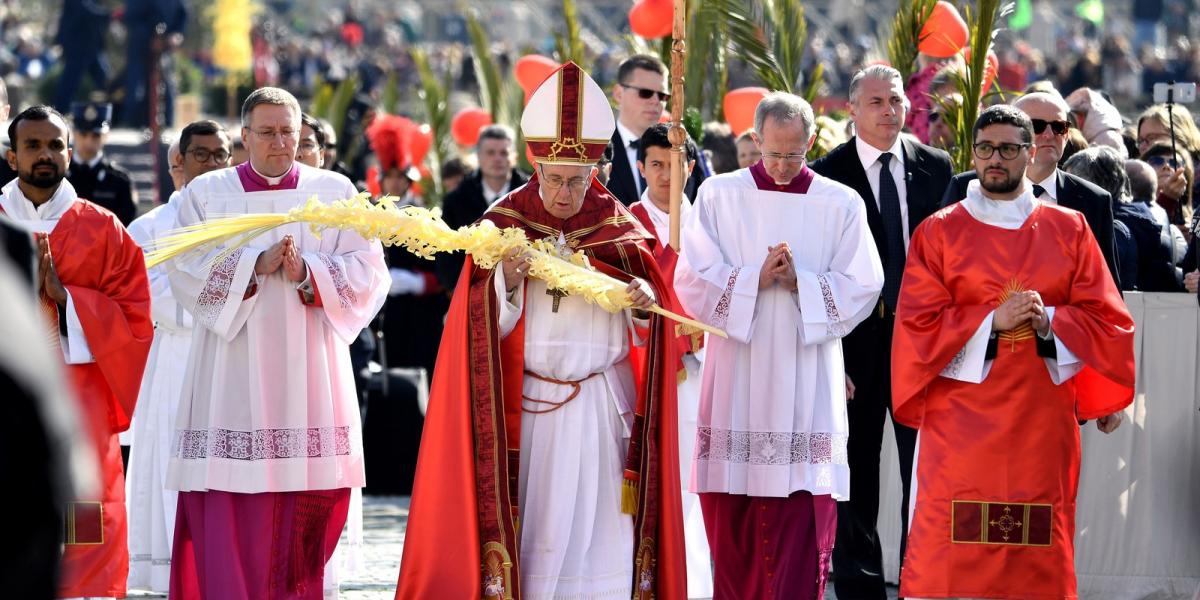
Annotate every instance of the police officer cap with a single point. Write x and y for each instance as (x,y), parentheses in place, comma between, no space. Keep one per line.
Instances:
(91,116)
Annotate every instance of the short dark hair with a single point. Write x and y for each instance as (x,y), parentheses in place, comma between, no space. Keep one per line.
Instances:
(205,127)
(645,62)
(453,167)
(1003,114)
(40,112)
(315,125)
(268,95)
(656,135)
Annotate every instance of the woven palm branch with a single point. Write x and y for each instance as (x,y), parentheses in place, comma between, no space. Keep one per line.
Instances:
(905,35)
(969,82)
(420,231)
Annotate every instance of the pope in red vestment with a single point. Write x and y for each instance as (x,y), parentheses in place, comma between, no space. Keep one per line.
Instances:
(103,328)
(464,538)
(998,412)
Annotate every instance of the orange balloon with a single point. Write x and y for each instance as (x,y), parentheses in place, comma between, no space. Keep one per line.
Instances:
(419,142)
(532,69)
(990,69)
(465,125)
(739,107)
(945,33)
(651,19)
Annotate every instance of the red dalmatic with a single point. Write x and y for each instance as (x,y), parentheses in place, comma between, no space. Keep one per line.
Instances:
(102,269)
(998,461)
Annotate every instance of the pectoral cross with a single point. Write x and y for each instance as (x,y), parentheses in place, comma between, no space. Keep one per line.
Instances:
(558,296)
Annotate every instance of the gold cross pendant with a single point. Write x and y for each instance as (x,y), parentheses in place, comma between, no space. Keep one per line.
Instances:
(558,296)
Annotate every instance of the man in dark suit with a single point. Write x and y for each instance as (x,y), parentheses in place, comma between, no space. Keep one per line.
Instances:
(901,182)
(144,43)
(640,95)
(92,174)
(495,177)
(81,32)
(1049,114)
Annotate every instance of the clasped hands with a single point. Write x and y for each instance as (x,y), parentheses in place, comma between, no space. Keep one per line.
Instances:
(516,265)
(47,275)
(1021,308)
(778,268)
(282,254)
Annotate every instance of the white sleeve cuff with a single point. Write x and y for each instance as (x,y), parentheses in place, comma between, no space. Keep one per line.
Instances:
(75,346)
(1067,364)
(970,364)
(510,304)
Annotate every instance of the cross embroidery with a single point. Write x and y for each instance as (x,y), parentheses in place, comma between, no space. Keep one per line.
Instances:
(558,296)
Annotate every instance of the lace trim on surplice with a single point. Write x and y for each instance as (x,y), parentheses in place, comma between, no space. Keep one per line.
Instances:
(834,327)
(216,289)
(770,447)
(261,444)
(721,312)
(346,296)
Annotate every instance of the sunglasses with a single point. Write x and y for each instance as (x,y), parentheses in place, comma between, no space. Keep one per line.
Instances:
(1159,161)
(646,94)
(1059,127)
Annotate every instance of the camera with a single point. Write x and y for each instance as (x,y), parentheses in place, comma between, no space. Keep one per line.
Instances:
(1178,93)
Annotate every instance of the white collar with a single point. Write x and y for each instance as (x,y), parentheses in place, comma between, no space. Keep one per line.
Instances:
(1006,214)
(626,135)
(1050,184)
(39,218)
(270,180)
(488,192)
(869,154)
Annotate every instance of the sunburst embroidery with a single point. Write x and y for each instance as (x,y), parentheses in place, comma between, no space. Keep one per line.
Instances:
(1025,330)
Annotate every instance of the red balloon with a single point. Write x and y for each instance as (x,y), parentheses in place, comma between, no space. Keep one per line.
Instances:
(739,107)
(652,19)
(989,71)
(945,33)
(419,141)
(532,69)
(465,125)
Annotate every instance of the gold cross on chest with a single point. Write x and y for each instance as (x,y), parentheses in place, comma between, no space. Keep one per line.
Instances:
(558,296)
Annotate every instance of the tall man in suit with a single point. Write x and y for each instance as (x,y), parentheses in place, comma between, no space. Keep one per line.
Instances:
(901,181)
(496,176)
(641,95)
(1049,114)
(81,30)
(94,176)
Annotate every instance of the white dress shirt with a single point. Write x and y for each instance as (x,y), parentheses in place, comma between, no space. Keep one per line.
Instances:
(1050,184)
(869,155)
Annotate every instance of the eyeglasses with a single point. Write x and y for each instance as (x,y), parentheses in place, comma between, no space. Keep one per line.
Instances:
(268,135)
(985,150)
(646,94)
(330,146)
(1147,142)
(309,147)
(795,159)
(202,155)
(1159,161)
(1059,127)
(555,182)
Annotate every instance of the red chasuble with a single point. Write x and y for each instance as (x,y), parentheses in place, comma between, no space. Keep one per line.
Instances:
(103,270)
(686,340)
(998,462)
(462,539)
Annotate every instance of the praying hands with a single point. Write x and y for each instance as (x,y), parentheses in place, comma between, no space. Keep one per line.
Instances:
(778,268)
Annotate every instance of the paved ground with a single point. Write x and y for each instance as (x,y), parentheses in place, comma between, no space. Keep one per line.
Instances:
(384,520)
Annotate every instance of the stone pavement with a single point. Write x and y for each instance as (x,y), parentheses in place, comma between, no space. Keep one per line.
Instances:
(384,521)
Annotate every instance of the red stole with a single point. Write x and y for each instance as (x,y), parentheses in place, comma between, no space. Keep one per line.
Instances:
(104,272)
(667,259)
(463,532)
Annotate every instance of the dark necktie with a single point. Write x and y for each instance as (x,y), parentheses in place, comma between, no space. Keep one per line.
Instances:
(641,181)
(1038,190)
(893,232)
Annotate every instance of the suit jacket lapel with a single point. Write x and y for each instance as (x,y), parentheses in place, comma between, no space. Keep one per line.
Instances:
(621,181)
(920,205)
(857,179)
(1066,198)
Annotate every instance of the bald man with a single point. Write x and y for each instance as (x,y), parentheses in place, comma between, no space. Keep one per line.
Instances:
(1049,113)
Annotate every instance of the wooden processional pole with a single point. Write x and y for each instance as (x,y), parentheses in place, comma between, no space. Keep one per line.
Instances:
(677,134)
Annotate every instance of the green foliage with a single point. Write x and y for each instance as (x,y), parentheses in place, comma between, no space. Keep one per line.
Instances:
(391,94)
(769,36)
(487,72)
(961,120)
(434,95)
(569,44)
(905,35)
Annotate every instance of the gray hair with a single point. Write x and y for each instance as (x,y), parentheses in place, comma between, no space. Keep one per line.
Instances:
(497,131)
(1143,181)
(270,95)
(173,151)
(1052,97)
(784,107)
(1102,166)
(880,72)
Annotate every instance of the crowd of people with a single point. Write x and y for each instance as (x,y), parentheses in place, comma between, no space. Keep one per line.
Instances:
(218,399)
